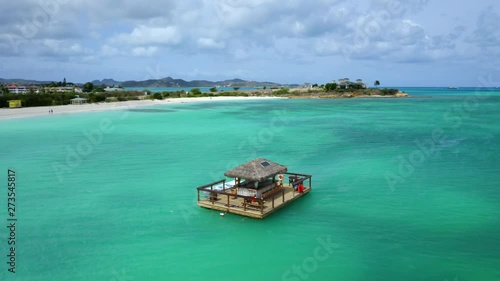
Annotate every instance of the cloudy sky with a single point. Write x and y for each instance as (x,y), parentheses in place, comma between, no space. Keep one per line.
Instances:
(399,42)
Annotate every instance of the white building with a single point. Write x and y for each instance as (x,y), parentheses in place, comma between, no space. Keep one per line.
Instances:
(78,101)
(361,83)
(344,83)
(14,89)
(112,89)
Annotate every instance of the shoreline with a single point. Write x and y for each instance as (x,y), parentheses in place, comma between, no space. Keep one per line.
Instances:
(349,97)
(27,112)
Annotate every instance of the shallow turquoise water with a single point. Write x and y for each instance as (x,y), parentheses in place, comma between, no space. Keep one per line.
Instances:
(384,205)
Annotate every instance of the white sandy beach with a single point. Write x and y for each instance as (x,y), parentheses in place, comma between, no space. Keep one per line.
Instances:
(11,113)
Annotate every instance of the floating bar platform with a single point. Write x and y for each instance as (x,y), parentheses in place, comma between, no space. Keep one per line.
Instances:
(260,188)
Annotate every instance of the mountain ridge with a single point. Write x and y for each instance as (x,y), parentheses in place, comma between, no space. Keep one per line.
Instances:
(168,82)
(165,82)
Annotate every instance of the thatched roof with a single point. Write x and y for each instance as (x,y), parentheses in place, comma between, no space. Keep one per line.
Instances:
(259,169)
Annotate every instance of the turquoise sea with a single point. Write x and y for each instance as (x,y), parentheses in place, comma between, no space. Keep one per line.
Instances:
(403,189)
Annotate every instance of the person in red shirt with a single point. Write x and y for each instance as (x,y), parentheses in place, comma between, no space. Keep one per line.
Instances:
(300,188)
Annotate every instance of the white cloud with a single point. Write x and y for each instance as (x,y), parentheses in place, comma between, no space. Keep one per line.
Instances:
(240,54)
(109,51)
(61,48)
(148,35)
(269,31)
(144,51)
(210,43)
(487,33)
(326,47)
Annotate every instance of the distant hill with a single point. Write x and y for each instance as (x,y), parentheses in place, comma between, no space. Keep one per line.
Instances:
(180,83)
(161,83)
(107,82)
(23,82)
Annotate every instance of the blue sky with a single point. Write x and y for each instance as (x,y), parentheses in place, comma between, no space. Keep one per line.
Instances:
(399,42)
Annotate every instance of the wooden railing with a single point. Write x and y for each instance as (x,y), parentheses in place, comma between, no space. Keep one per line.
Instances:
(250,201)
(300,178)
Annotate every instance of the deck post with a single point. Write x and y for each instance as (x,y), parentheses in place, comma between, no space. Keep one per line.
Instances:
(310,185)
(228,203)
(283,191)
(274,196)
(262,207)
(198,195)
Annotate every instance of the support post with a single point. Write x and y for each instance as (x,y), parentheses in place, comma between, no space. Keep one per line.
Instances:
(228,203)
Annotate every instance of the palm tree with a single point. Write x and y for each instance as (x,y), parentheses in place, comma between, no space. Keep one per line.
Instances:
(377,83)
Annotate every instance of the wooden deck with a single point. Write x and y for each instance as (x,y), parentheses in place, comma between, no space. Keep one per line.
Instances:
(236,205)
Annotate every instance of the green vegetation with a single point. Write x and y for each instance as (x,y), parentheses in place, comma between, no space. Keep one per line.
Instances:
(388,92)
(330,86)
(177,94)
(377,83)
(99,89)
(54,98)
(158,96)
(32,99)
(88,87)
(60,84)
(236,88)
(233,94)
(282,91)
(213,89)
(195,92)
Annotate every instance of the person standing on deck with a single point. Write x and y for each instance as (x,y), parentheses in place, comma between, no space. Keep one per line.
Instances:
(280,179)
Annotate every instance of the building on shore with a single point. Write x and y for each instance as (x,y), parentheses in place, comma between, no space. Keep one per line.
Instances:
(15,89)
(361,84)
(63,89)
(78,101)
(113,89)
(15,103)
(344,83)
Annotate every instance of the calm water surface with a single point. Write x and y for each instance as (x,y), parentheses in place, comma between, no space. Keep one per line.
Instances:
(403,189)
